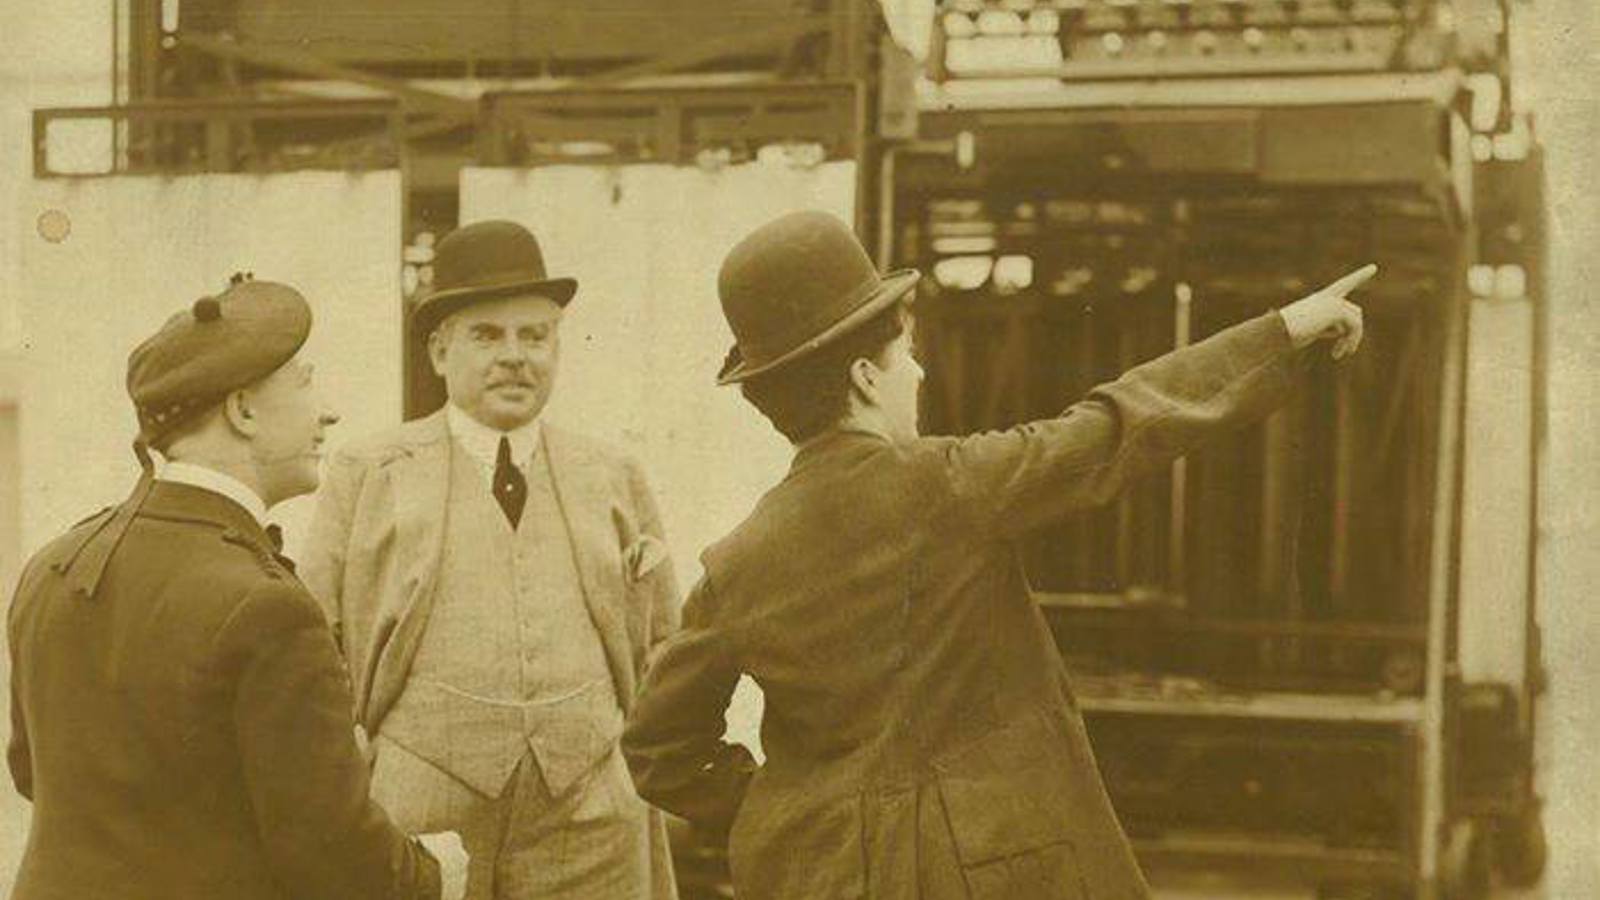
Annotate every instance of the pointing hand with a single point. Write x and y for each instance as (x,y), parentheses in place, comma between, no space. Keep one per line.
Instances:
(1327,314)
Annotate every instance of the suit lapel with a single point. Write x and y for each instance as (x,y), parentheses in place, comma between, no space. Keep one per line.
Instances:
(421,480)
(585,507)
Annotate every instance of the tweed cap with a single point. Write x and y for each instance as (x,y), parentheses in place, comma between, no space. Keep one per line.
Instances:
(219,345)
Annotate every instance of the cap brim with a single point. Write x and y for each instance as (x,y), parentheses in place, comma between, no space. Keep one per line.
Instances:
(894,286)
(436,307)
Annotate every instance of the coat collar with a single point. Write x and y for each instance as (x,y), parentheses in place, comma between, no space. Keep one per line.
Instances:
(426,431)
(175,501)
(482,442)
(808,452)
(217,482)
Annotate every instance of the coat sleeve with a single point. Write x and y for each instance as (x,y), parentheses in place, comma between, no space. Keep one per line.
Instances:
(673,740)
(19,755)
(1016,480)
(19,752)
(321,567)
(306,779)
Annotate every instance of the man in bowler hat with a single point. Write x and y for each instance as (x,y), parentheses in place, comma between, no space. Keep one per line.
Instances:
(180,718)
(921,736)
(496,582)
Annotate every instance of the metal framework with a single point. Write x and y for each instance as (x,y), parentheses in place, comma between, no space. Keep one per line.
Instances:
(812,78)
(1112,40)
(206,89)
(185,137)
(531,127)
(1110,270)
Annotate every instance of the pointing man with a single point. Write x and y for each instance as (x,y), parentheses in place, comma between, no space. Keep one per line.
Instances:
(921,736)
(180,718)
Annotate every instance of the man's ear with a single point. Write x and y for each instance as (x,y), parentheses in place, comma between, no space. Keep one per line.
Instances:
(864,379)
(237,410)
(436,351)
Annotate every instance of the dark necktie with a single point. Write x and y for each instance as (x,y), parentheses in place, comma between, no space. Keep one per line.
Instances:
(510,487)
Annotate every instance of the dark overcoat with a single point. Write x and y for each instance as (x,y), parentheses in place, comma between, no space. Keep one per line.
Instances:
(921,736)
(186,731)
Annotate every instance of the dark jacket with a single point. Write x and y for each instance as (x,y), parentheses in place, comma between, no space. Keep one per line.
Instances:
(922,739)
(186,731)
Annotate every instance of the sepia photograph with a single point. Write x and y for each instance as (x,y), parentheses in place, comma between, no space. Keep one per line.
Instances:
(800,449)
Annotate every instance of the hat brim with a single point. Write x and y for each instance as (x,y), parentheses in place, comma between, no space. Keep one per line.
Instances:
(894,286)
(437,307)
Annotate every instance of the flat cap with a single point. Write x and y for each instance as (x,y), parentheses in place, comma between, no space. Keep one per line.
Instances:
(219,345)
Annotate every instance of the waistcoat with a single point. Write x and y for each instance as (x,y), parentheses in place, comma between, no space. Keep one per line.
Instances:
(511,661)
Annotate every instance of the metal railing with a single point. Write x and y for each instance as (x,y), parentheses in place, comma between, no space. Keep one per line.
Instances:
(194,136)
(707,125)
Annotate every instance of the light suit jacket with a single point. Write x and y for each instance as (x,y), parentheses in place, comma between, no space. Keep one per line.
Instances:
(377,538)
(921,734)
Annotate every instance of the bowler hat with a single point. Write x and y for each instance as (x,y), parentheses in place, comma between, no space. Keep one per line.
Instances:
(794,285)
(486,261)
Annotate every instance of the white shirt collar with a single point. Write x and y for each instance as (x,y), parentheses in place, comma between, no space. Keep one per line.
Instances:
(217,483)
(483,442)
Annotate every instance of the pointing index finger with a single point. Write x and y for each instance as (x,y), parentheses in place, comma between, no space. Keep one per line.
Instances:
(1352,281)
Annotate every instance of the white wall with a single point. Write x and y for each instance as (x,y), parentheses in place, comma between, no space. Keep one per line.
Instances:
(1497,491)
(142,248)
(56,54)
(1563,61)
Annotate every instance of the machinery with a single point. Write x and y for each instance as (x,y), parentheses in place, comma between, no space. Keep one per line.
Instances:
(1272,642)
(1302,651)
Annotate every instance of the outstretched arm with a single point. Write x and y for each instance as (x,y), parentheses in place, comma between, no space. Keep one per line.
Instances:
(1016,480)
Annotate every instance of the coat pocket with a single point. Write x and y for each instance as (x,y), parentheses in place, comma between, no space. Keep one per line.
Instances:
(1043,873)
(1009,813)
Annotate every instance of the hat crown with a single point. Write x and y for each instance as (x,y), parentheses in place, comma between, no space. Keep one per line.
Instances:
(219,344)
(486,254)
(791,279)
(485,261)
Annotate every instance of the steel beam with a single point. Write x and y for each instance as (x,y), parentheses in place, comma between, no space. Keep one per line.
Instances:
(297,63)
(784,32)
(217,117)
